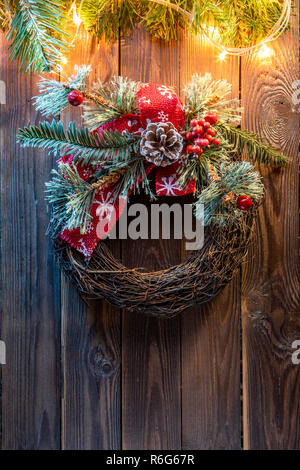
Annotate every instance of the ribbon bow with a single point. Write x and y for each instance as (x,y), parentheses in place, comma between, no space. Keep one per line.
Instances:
(157,103)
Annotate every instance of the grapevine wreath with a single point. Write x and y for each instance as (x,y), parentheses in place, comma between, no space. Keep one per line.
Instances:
(135,133)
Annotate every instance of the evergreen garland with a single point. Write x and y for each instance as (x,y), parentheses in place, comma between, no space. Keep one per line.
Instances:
(36,28)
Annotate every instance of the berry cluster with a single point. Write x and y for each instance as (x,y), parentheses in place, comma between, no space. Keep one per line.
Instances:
(202,134)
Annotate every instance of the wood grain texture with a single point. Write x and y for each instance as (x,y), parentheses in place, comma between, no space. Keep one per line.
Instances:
(210,336)
(150,347)
(30,280)
(270,308)
(90,333)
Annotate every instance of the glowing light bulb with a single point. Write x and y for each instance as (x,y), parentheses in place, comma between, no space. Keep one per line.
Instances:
(223,55)
(63,59)
(265,52)
(76,17)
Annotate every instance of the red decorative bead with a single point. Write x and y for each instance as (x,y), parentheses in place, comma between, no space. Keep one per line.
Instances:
(212,118)
(209,138)
(199,150)
(194,122)
(201,121)
(211,131)
(206,125)
(216,141)
(244,203)
(75,98)
(188,136)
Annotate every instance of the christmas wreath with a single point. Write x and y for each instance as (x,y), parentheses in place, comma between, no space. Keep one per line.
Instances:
(135,132)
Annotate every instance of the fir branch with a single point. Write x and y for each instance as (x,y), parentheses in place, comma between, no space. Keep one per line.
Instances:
(237,178)
(88,148)
(257,149)
(34,32)
(112,100)
(134,179)
(204,94)
(105,18)
(53,97)
(7,7)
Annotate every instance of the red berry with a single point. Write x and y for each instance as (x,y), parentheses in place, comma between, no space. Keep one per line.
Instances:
(188,136)
(211,132)
(209,138)
(201,121)
(199,130)
(244,203)
(190,149)
(212,118)
(216,141)
(199,150)
(194,122)
(75,98)
(204,143)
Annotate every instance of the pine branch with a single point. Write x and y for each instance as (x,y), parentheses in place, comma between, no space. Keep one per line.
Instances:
(88,148)
(34,32)
(237,179)
(53,98)
(204,94)
(257,149)
(112,100)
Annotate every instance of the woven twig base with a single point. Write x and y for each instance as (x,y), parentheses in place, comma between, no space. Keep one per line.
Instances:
(162,293)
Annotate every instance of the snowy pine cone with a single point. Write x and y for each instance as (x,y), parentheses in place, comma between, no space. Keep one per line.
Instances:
(161,144)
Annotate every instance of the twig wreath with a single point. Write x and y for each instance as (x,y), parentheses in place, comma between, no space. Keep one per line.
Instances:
(133,132)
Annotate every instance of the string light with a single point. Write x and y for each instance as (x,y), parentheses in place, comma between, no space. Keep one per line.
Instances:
(63,59)
(274,33)
(265,52)
(223,55)
(76,16)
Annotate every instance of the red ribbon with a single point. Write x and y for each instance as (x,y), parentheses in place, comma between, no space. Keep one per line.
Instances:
(157,103)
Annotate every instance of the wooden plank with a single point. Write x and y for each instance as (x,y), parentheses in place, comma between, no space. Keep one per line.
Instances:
(91,334)
(30,289)
(270,308)
(210,338)
(151,347)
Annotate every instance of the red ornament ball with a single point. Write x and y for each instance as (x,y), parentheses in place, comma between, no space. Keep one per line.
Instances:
(193,122)
(212,118)
(75,98)
(188,136)
(244,203)
(216,141)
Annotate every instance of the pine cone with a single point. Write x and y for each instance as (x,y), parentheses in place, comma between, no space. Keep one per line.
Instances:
(161,144)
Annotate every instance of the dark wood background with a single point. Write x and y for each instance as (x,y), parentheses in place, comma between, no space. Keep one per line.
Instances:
(217,377)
